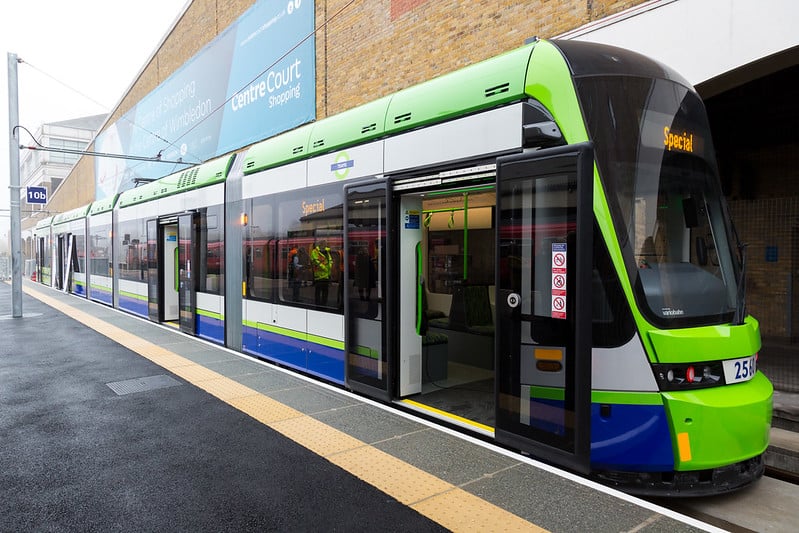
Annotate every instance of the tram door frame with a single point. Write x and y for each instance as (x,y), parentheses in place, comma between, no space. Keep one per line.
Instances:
(171,257)
(543,354)
(60,262)
(188,260)
(369,361)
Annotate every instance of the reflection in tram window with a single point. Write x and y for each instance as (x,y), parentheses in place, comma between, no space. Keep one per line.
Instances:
(309,248)
(258,242)
(212,250)
(80,250)
(293,248)
(132,250)
(100,250)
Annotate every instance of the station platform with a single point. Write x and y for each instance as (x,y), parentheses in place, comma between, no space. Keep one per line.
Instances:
(110,422)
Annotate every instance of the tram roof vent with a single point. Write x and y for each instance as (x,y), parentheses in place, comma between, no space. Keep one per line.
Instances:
(188,178)
(369,128)
(319,143)
(497,89)
(297,150)
(404,117)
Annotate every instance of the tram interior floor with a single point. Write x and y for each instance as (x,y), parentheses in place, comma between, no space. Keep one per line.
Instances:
(467,391)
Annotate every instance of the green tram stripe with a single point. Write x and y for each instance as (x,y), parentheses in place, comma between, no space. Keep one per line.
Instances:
(210,314)
(605,397)
(365,351)
(96,287)
(546,393)
(133,295)
(626,398)
(316,339)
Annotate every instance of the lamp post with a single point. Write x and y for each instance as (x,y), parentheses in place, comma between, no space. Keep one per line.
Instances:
(13,159)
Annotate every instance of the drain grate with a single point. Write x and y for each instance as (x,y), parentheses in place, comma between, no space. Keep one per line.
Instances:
(129,386)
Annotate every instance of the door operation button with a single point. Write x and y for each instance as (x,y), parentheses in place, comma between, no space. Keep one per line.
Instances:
(514,300)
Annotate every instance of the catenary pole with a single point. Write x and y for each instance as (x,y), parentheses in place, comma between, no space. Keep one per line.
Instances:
(13,159)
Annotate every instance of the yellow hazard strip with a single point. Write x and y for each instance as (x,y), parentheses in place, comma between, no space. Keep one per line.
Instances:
(438,500)
(444,414)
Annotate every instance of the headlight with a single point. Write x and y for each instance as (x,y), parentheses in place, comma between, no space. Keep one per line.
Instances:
(688,376)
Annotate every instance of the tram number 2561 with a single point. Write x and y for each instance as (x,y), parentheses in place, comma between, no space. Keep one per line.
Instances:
(743,369)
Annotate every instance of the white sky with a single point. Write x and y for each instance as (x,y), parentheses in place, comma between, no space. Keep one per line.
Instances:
(96,47)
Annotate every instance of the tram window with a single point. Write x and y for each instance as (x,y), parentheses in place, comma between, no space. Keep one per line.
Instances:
(80,251)
(99,250)
(448,267)
(132,257)
(309,248)
(258,241)
(212,251)
(612,320)
(663,194)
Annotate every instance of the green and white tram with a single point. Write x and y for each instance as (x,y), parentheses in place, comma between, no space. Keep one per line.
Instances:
(534,248)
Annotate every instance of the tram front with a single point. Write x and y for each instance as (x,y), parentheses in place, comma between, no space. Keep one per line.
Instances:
(669,234)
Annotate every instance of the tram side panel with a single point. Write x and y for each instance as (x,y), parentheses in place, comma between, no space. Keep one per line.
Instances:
(292,308)
(146,258)
(100,265)
(209,234)
(130,257)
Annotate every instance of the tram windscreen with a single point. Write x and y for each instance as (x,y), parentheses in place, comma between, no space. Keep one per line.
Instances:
(655,157)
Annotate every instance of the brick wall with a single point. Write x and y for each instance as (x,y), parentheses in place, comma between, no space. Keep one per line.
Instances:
(770,227)
(379,47)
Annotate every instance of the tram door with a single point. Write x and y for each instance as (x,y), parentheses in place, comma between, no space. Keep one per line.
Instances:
(369,369)
(544,303)
(187,263)
(58,262)
(153,281)
(163,275)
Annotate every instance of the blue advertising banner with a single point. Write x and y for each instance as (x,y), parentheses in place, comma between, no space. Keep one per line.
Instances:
(255,80)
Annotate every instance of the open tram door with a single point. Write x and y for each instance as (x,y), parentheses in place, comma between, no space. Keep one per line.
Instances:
(171,285)
(369,369)
(543,300)
(188,259)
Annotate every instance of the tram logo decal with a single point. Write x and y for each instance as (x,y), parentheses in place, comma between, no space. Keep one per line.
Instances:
(558,280)
(343,164)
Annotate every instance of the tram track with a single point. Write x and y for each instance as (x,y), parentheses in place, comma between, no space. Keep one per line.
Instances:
(767,505)
(782,475)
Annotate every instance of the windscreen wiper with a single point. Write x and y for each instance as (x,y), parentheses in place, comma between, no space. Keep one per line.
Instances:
(740,298)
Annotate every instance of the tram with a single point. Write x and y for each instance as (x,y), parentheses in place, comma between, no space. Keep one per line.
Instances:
(534,249)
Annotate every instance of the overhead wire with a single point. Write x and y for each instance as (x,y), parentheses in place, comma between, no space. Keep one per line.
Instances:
(103,106)
(40,147)
(157,158)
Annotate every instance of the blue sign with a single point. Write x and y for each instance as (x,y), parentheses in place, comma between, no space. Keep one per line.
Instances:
(254,80)
(772,254)
(37,195)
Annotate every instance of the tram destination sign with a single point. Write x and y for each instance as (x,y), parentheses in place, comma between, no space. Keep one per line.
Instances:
(37,195)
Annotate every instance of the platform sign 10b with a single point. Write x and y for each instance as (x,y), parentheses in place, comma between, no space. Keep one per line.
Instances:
(37,195)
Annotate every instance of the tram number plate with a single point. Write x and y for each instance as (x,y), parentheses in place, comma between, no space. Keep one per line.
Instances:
(737,370)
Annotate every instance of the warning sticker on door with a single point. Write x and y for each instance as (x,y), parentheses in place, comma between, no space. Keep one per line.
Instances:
(558,288)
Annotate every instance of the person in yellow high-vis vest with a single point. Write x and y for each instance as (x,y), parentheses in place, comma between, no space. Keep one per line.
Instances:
(322,264)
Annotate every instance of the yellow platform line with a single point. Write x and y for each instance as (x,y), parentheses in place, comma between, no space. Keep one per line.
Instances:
(434,498)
